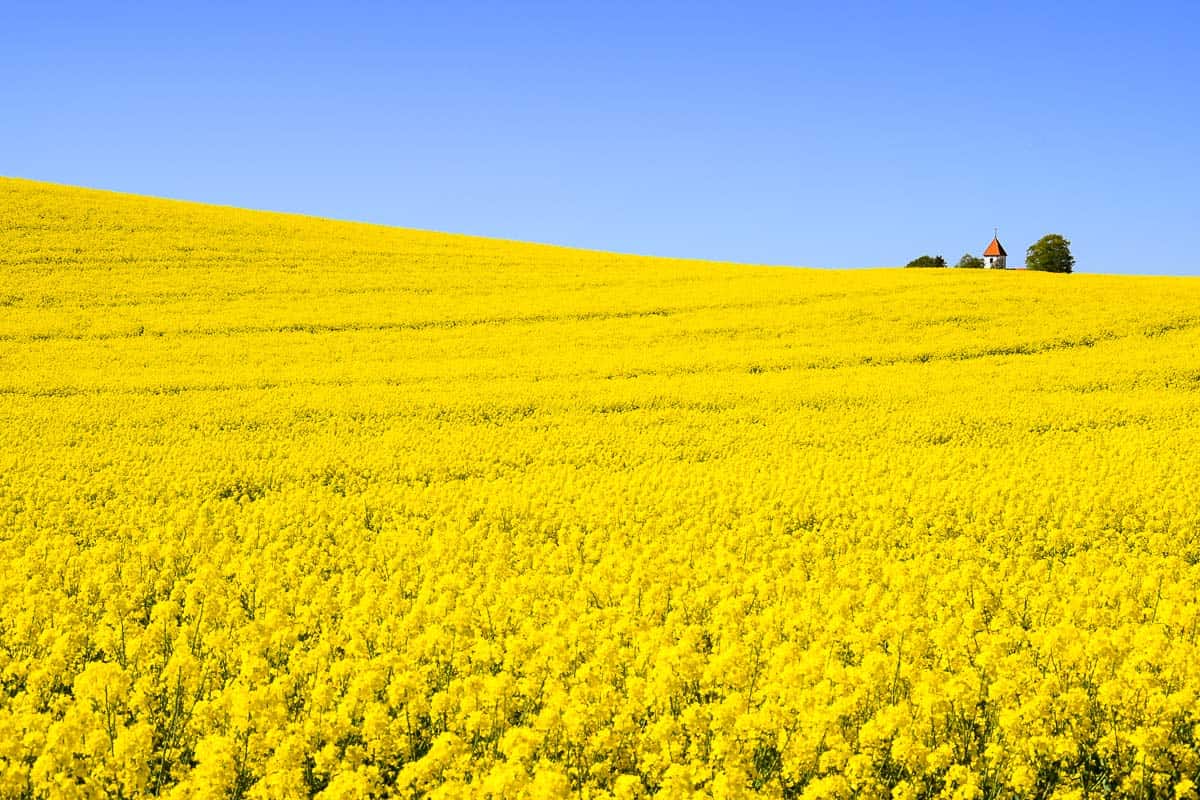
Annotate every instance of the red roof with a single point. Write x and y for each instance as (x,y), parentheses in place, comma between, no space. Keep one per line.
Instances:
(995,249)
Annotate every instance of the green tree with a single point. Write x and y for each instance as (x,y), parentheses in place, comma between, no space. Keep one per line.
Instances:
(969,261)
(1051,253)
(927,261)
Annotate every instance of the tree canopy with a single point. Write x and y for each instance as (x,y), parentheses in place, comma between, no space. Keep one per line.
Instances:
(1051,253)
(927,261)
(969,261)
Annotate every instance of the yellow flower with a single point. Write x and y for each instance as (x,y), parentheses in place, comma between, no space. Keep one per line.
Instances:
(295,508)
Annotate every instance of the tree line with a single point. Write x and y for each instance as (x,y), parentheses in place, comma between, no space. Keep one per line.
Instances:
(1051,253)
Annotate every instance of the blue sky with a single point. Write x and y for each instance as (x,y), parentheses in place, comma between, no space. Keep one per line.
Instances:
(830,134)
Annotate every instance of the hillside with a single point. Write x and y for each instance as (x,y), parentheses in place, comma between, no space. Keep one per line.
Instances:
(292,506)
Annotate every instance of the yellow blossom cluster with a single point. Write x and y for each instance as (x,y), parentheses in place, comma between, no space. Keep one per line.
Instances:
(298,508)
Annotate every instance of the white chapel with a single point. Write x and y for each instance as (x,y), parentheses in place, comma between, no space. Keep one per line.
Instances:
(994,256)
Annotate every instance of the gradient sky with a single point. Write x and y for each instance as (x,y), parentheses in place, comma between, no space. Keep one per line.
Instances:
(831,134)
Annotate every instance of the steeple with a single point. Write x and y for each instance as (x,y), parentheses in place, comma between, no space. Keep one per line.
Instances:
(994,257)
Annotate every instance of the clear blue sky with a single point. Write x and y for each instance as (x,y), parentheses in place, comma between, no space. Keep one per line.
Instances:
(824,134)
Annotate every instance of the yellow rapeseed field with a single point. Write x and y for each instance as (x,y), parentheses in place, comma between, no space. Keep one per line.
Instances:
(294,508)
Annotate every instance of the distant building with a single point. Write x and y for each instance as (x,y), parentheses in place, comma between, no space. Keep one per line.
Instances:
(994,256)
